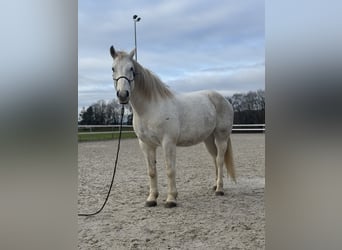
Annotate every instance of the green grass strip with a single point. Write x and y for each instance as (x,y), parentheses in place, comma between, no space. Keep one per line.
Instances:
(104,136)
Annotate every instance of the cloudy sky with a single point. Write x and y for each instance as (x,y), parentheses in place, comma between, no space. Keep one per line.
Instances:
(191,45)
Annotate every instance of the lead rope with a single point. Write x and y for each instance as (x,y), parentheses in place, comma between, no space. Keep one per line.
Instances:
(115,164)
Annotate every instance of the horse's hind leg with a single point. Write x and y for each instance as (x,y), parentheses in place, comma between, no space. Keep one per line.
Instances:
(221,145)
(150,157)
(211,147)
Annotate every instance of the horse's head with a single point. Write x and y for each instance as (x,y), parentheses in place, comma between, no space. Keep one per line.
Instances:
(123,74)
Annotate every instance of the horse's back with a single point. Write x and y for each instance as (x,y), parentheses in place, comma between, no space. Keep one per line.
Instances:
(200,114)
(207,101)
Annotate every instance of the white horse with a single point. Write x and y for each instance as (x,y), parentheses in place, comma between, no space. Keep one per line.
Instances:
(161,118)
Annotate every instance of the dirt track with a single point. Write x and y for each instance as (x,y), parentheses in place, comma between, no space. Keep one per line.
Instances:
(200,221)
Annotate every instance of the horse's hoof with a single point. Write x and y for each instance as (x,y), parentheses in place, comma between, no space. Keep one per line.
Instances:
(170,204)
(150,204)
(219,193)
(214,187)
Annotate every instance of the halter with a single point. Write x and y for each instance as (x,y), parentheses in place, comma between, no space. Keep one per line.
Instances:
(125,77)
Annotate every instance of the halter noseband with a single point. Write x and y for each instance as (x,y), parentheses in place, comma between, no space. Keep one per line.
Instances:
(126,78)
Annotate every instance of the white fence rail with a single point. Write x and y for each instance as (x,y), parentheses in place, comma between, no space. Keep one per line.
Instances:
(237,128)
(249,128)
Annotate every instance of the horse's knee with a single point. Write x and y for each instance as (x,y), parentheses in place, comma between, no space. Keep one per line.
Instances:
(152,174)
(171,173)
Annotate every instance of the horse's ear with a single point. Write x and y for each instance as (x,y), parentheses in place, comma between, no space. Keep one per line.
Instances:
(112,52)
(131,54)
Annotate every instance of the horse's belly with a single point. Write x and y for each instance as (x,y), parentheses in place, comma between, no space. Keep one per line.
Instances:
(184,142)
(197,122)
(194,134)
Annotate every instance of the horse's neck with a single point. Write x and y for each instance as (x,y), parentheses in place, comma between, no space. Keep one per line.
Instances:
(140,105)
(139,102)
(146,97)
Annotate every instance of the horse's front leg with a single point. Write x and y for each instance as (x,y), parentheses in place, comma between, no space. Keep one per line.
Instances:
(169,149)
(150,157)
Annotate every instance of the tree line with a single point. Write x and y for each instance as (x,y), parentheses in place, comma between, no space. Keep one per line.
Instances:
(103,113)
(249,108)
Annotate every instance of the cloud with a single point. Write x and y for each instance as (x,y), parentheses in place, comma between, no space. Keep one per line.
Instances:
(224,80)
(190,45)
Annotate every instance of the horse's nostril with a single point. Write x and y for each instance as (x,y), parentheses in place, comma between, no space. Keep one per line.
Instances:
(122,94)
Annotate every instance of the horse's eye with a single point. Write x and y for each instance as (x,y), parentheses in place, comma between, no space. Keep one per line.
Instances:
(133,71)
(113,69)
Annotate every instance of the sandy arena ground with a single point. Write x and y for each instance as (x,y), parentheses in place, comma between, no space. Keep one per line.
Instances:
(200,221)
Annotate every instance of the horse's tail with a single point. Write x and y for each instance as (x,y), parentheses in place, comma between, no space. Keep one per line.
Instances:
(228,159)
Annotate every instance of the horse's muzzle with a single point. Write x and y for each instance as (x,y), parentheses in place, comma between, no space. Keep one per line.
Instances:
(123,96)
